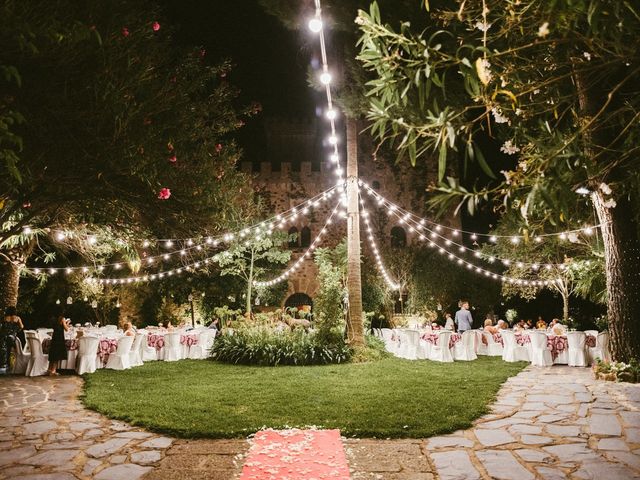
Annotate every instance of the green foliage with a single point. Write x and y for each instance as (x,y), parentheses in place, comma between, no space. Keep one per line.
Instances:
(105,103)
(251,259)
(266,346)
(328,309)
(373,351)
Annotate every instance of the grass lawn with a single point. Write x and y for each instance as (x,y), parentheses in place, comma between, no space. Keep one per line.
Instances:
(388,398)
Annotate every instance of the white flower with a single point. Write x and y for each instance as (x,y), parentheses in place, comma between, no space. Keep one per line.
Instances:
(359,20)
(498,116)
(518,111)
(543,31)
(482,26)
(483,68)
(573,238)
(606,189)
(536,91)
(587,55)
(509,148)
(523,166)
(611,203)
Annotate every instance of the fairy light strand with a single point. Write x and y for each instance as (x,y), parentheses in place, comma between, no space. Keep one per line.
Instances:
(189,246)
(307,254)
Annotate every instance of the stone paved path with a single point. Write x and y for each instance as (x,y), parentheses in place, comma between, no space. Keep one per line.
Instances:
(551,423)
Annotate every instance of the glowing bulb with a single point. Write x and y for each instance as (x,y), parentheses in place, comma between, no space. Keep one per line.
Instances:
(493,239)
(515,240)
(315,25)
(61,236)
(332,114)
(27,230)
(92,240)
(145,244)
(168,244)
(333,140)
(325,78)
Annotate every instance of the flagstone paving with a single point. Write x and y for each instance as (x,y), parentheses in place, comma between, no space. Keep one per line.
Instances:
(547,423)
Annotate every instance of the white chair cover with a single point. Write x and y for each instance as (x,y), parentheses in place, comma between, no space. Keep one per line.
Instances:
(512,352)
(441,352)
(409,344)
(38,361)
(540,354)
(149,354)
(119,360)
(465,348)
(601,350)
(205,342)
(110,328)
(493,349)
(86,358)
(593,333)
(389,343)
(171,351)
(577,346)
(135,356)
(481,348)
(22,358)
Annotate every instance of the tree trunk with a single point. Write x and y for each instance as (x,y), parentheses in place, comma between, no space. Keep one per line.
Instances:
(622,265)
(9,281)
(565,307)
(355,325)
(250,282)
(12,262)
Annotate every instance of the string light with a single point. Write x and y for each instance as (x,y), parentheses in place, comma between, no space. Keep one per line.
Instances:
(307,254)
(494,238)
(376,253)
(259,228)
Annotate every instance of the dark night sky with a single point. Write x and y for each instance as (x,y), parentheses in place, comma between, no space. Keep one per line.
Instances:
(270,62)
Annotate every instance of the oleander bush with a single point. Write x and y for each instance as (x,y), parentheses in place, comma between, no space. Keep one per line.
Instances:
(266,346)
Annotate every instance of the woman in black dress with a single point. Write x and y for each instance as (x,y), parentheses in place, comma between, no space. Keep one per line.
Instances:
(10,327)
(58,347)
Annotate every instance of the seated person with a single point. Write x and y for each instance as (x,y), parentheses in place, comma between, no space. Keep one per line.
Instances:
(541,324)
(488,326)
(556,327)
(529,324)
(449,324)
(128,330)
(502,325)
(520,326)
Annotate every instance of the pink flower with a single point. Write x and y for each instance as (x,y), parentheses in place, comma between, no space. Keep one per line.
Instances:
(170,146)
(125,32)
(164,194)
(219,147)
(156,26)
(173,159)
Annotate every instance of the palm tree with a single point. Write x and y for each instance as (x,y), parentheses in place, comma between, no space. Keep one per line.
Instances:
(355,326)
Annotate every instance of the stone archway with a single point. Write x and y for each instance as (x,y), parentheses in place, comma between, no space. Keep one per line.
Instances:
(299,300)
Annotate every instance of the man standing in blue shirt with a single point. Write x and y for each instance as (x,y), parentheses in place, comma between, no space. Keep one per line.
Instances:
(464,320)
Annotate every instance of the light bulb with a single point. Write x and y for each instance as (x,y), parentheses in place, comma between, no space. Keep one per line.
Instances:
(325,78)
(26,230)
(332,114)
(315,24)
(333,140)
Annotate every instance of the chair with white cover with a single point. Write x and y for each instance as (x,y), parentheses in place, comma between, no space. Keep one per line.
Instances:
(494,349)
(119,360)
(465,349)
(86,361)
(480,347)
(38,361)
(441,352)
(110,329)
(135,356)
(409,344)
(149,354)
(172,348)
(387,337)
(22,358)
(540,354)
(577,343)
(201,349)
(601,350)
(593,333)
(512,352)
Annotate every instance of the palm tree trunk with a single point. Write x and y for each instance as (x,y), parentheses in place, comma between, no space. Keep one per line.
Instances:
(9,281)
(355,325)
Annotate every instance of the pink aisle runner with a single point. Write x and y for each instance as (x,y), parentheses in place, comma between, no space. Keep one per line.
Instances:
(296,455)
